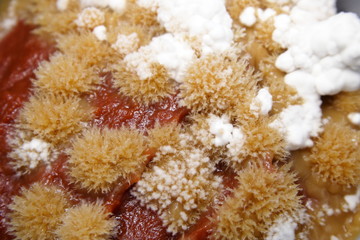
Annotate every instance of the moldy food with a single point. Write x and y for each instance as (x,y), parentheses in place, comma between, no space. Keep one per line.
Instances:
(179,119)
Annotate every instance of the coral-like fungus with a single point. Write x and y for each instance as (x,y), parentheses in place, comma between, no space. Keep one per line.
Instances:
(336,155)
(144,34)
(115,155)
(347,101)
(262,196)
(36,212)
(217,83)
(29,152)
(54,118)
(248,140)
(90,17)
(147,90)
(282,93)
(178,185)
(87,48)
(86,222)
(162,135)
(124,43)
(65,74)
(143,17)
(44,13)
(263,33)
(263,140)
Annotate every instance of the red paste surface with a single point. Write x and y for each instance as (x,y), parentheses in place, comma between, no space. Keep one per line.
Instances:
(139,223)
(115,110)
(20,54)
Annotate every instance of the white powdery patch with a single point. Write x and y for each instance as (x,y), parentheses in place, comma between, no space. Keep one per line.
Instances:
(90,18)
(283,229)
(206,20)
(31,153)
(62,5)
(354,118)
(327,210)
(307,11)
(171,52)
(352,201)
(329,50)
(226,134)
(126,44)
(179,178)
(116,5)
(223,130)
(248,17)
(100,33)
(322,58)
(301,122)
(10,21)
(262,103)
(285,226)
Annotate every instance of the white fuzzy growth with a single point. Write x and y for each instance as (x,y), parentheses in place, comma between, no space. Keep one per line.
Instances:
(329,50)
(222,129)
(225,134)
(126,44)
(206,20)
(303,15)
(308,11)
(62,5)
(322,58)
(301,122)
(354,118)
(283,229)
(248,17)
(262,103)
(171,52)
(325,46)
(90,18)
(33,152)
(100,33)
(116,5)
